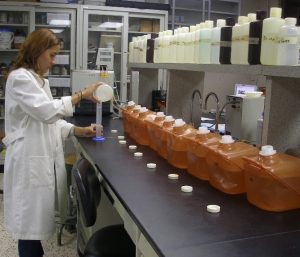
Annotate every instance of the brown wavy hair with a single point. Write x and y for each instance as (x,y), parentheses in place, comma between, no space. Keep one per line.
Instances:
(34,45)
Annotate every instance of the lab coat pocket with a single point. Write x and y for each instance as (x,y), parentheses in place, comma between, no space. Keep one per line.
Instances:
(40,174)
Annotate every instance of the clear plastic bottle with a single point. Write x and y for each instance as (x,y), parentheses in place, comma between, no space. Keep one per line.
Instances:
(126,110)
(197,149)
(225,42)
(215,41)
(176,145)
(255,34)
(205,42)
(270,32)
(272,180)
(226,167)
(288,45)
(165,129)
(154,124)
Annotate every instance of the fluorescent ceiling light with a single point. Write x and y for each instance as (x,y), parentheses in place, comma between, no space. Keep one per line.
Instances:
(111,25)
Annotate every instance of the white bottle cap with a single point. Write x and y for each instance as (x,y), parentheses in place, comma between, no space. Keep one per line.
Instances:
(221,23)
(290,21)
(132,147)
(202,25)
(114,131)
(138,154)
(187,189)
(203,130)
(192,28)
(275,12)
(130,103)
(169,118)
(160,114)
(179,123)
(173,176)
(227,139)
(251,17)
(104,93)
(137,107)
(143,109)
(209,24)
(122,142)
(212,208)
(121,137)
(151,165)
(267,150)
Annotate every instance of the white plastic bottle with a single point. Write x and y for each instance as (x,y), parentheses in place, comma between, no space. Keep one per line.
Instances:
(191,47)
(288,43)
(269,45)
(130,49)
(205,42)
(197,42)
(237,39)
(215,41)
(244,46)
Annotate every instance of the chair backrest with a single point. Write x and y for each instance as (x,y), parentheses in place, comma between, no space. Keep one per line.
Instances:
(88,190)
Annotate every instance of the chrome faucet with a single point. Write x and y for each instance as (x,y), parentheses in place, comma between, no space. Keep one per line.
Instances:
(217,108)
(196,92)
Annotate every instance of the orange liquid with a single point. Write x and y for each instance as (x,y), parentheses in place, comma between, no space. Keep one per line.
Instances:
(197,149)
(226,169)
(163,135)
(125,114)
(153,127)
(273,182)
(142,136)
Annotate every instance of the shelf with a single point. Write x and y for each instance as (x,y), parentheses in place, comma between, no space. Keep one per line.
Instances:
(2,98)
(52,26)
(103,30)
(14,25)
(57,76)
(9,50)
(64,51)
(139,32)
(2,118)
(273,71)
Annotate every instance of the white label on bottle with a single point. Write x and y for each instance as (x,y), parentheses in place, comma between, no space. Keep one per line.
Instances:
(225,43)
(288,40)
(253,41)
(19,39)
(270,37)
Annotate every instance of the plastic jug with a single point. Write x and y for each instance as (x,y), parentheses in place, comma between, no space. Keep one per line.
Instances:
(288,49)
(270,32)
(226,166)
(273,180)
(132,118)
(176,144)
(153,126)
(164,130)
(197,149)
(126,110)
(215,41)
(255,34)
(225,43)
(142,136)
(205,42)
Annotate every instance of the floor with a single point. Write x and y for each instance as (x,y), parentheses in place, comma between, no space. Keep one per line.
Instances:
(8,246)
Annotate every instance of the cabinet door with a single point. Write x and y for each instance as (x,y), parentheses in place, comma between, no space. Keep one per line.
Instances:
(62,22)
(106,29)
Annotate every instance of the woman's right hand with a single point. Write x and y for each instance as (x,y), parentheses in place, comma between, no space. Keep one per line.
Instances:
(88,92)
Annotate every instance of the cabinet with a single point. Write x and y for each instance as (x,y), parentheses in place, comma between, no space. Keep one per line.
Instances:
(191,12)
(105,27)
(281,116)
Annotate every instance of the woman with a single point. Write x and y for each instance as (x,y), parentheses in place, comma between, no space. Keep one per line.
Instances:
(34,132)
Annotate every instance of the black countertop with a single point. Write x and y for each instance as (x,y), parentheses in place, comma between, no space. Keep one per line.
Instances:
(177,224)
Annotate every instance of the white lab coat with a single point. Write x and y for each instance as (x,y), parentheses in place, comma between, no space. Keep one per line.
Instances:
(34,131)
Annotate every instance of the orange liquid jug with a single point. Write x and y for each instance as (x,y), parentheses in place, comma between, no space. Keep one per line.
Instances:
(142,136)
(176,144)
(153,127)
(164,130)
(126,110)
(226,166)
(132,120)
(197,149)
(273,180)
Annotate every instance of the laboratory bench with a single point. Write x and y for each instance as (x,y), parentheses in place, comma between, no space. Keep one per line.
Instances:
(163,221)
